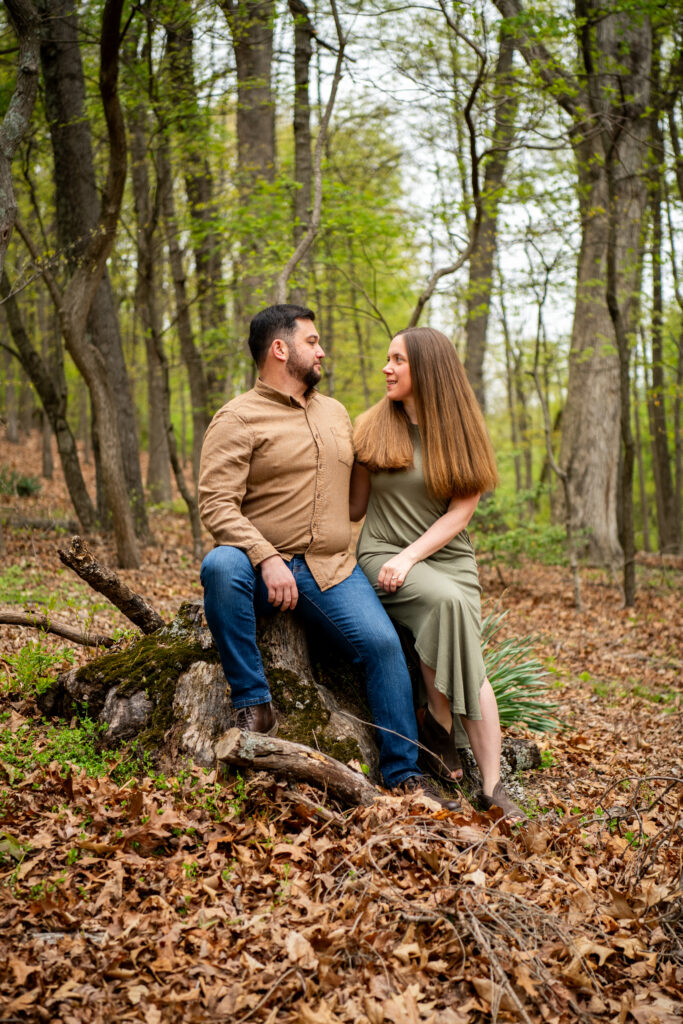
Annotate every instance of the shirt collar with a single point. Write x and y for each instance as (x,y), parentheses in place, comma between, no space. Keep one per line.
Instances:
(266,391)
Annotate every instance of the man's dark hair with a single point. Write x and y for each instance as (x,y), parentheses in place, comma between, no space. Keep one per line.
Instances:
(271,322)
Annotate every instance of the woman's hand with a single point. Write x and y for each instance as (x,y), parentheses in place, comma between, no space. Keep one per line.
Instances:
(393,573)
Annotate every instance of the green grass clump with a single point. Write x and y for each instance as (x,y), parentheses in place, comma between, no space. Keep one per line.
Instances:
(17,485)
(34,665)
(37,744)
(519,680)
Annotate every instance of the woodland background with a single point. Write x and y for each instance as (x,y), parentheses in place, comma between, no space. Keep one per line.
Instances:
(508,172)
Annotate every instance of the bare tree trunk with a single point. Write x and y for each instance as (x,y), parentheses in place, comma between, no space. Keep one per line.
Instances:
(11,405)
(26,23)
(483,255)
(512,411)
(158,471)
(78,212)
(190,127)
(621,330)
(615,51)
(191,356)
(645,512)
(303,168)
(251,27)
(664,488)
(84,283)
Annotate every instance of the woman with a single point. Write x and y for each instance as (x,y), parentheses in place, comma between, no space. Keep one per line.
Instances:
(423,458)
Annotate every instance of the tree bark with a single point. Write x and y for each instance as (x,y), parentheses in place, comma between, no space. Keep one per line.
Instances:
(11,407)
(251,27)
(304,34)
(664,486)
(190,127)
(78,215)
(105,581)
(621,325)
(159,467)
(191,355)
(483,255)
(26,22)
(295,761)
(615,53)
(48,624)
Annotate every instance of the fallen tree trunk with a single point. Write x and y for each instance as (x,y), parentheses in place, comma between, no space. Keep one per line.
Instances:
(19,521)
(105,581)
(295,761)
(48,624)
(167,694)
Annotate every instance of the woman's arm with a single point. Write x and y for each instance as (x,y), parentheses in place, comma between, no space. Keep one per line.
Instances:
(441,532)
(359,493)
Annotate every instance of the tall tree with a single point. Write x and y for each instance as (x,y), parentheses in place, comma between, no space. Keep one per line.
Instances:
(84,283)
(189,125)
(251,25)
(304,33)
(481,264)
(614,43)
(667,525)
(78,214)
(26,21)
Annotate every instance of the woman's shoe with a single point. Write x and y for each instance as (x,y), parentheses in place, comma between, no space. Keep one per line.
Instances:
(500,798)
(441,757)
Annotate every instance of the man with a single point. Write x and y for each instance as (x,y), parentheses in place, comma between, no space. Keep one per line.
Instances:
(274,494)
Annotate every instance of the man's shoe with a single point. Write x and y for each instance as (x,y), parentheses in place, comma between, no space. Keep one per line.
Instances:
(420,785)
(257,718)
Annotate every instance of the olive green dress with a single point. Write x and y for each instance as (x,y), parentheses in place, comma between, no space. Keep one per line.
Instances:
(440,600)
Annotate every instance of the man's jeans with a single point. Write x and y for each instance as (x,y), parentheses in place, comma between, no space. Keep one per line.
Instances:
(350,614)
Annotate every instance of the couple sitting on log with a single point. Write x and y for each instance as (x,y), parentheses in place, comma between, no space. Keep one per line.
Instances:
(282,475)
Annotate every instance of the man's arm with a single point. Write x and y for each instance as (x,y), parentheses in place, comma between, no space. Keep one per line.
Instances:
(223,471)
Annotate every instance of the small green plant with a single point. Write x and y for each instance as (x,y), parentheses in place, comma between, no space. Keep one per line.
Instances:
(505,528)
(518,679)
(239,794)
(191,869)
(33,746)
(17,485)
(547,759)
(34,664)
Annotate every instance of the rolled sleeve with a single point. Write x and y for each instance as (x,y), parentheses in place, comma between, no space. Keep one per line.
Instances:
(224,468)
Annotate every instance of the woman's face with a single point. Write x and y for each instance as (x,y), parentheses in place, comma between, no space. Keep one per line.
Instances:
(397,371)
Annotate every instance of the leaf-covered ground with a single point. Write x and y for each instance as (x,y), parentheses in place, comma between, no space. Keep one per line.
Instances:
(194,898)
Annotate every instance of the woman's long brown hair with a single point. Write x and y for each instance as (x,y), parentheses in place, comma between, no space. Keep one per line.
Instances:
(458,455)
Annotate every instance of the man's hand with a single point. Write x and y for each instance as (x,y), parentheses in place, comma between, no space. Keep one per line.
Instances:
(282,590)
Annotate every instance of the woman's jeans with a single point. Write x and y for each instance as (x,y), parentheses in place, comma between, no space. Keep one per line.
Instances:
(350,614)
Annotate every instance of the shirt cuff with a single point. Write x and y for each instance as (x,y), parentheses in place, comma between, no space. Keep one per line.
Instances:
(260,551)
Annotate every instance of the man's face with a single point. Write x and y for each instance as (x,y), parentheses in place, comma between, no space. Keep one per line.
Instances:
(305,354)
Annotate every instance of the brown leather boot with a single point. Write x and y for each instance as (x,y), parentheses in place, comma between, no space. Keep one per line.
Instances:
(441,757)
(420,785)
(501,798)
(257,718)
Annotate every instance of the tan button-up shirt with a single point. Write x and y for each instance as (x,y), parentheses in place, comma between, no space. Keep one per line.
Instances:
(274,479)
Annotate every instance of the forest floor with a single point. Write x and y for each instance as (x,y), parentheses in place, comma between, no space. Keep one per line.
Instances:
(199,898)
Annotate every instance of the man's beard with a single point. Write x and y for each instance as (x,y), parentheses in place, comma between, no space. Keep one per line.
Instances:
(308,375)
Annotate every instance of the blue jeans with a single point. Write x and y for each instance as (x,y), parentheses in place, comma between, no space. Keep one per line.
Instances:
(350,614)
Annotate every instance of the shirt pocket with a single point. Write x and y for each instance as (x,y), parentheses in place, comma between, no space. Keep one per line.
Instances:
(344,445)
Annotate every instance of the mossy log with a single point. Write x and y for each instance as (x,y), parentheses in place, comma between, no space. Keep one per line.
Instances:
(167,693)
